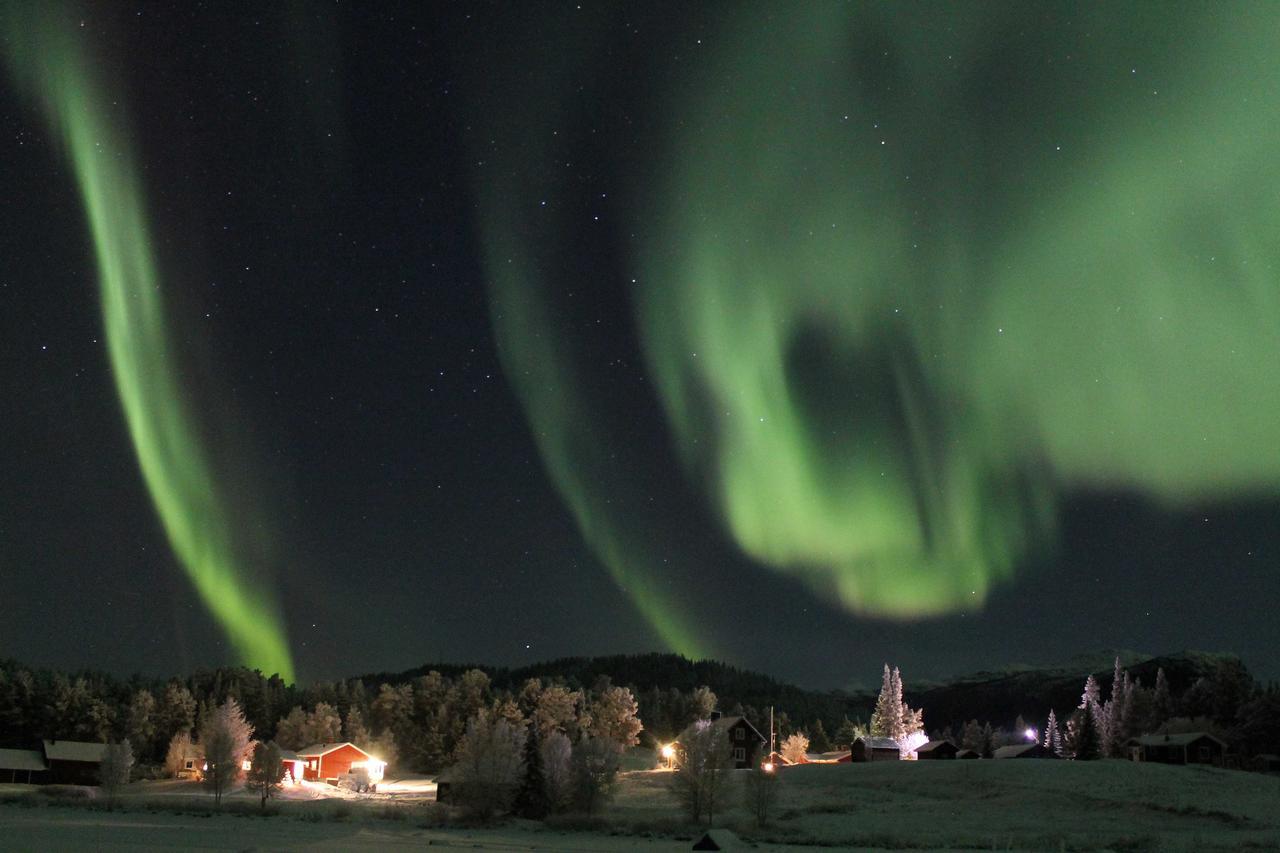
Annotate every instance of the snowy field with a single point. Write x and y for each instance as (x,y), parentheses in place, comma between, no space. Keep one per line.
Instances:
(983,805)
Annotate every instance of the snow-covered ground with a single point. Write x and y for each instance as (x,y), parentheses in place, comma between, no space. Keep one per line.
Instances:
(1019,805)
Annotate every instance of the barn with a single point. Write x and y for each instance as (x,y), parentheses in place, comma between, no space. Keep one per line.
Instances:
(875,749)
(22,765)
(967,754)
(937,750)
(1184,748)
(329,761)
(73,762)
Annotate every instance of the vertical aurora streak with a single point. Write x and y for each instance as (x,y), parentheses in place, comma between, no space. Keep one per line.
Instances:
(46,53)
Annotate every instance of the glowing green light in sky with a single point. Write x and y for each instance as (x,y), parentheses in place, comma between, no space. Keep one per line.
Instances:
(912,281)
(46,50)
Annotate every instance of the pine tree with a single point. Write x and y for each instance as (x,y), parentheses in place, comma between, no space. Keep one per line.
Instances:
(1092,695)
(531,800)
(1053,734)
(972,737)
(886,721)
(1083,741)
(1112,727)
(818,740)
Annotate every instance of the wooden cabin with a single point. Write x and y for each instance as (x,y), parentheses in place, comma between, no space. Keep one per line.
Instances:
(746,743)
(937,750)
(1183,748)
(329,761)
(73,762)
(875,749)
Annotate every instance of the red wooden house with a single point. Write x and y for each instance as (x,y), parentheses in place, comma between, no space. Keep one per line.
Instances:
(329,761)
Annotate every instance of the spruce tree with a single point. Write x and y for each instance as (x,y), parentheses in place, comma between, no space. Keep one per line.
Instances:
(1083,733)
(1161,702)
(818,740)
(1053,734)
(531,800)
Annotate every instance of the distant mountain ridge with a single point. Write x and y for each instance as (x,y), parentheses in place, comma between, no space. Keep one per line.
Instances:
(998,695)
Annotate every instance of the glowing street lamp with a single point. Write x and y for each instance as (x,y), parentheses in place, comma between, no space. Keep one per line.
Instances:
(669,753)
(1030,735)
(768,767)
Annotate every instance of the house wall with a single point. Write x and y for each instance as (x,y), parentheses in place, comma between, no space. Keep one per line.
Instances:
(334,764)
(745,745)
(73,772)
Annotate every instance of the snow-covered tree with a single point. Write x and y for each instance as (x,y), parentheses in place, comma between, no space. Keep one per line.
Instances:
(291,730)
(113,772)
(1113,713)
(613,717)
(354,729)
(1092,695)
(595,769)
(1053,734)
(971,737)
(1083,737)
(886,720)
(140,724)
(795,747)
(1161,702)
(180,749)
(489,762)
(224,736)
(266,770)
(704,761)
(323,725)
(557,769)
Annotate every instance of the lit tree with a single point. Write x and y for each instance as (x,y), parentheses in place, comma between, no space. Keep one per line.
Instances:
(886,721)
(794,748)
(703,769)
(266,771)
(613,717)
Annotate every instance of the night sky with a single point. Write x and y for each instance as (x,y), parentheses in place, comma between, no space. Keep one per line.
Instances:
(339,338)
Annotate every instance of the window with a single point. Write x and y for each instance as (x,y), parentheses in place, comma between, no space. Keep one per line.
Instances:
(1204,753)
(191,765)
(739,754)
(739,734)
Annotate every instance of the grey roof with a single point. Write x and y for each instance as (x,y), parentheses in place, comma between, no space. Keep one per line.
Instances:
(1181,739)
(288,755)
(21,759)
(318,749)
(932,745)
(879,742)
(74,750)
(1013,750)
(967,752)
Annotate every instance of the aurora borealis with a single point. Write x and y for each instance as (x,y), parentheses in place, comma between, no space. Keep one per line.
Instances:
(508,333)
(44,53)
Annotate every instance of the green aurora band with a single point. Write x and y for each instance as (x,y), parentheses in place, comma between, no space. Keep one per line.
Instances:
(911,274)
(899,308)
(46,51)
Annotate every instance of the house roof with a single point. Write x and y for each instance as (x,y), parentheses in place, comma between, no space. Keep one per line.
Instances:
(934,744)
(21,759)
(879,742)
(962,753)
(724,724)
(74,750)
(1014,750)
(288,755)
(1180,739)
(318,749)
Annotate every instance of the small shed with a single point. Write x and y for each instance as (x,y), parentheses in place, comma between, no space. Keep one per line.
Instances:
(1024,750)
(1182,748)
(22,765)
(966,754)
(330,761)
(937,750)
(73,762)
(1267,763)
(875,749)
(719,839)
